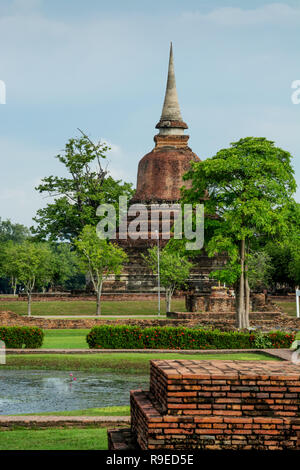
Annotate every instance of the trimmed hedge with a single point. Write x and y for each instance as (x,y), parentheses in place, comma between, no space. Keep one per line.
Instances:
(31,337)
(135,337)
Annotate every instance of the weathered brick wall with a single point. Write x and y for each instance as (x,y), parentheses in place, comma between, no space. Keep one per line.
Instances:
(218,405)
(225,321)
(68,297)
(213,320)
(214,388)
(13,319)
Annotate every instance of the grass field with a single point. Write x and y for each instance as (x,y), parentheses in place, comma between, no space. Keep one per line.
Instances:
(90,438)
(288,307)
(88,307)
(65,339)
(107,411)
(126,363)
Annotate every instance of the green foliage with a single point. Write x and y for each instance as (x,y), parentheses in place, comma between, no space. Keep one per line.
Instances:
(284,251)
(247,190)
(16,233)
(10,233)
(262,341)
(77,195)
(174,269)
(64,264)
(273,339)
(28,262)
(99,258)
(260,270)
(134,337)
(31,337)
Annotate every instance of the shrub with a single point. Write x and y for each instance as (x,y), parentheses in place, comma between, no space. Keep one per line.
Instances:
(31,337)
(278,339)
(135,337)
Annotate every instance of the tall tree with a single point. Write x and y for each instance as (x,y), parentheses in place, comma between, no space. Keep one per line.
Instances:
(174,269)
(30,263)
(77,195)
(100,259)
(249,188)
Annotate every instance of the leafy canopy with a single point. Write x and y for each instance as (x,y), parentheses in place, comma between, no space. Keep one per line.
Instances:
(247,189)
(30,263)
(100,258)
(174,267)
(78,194)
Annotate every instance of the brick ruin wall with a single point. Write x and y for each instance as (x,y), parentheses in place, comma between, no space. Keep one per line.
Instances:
(218,405)
(225,322)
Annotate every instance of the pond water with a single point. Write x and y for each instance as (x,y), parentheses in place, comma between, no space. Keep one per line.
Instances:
(36,391)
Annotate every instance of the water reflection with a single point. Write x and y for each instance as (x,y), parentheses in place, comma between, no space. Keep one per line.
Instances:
(30,391)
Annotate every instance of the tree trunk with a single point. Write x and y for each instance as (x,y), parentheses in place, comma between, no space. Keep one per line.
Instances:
(168,300)
(241,297)
(29,304)
(247,294)
(98,312)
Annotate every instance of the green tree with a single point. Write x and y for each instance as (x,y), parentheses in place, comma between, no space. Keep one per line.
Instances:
(260,270)
(10,233)
(65,264)
(16,233)
(247,189)
(77,196)
(30,263)
(99,258)
(285,251)
(8,269)
(174,269)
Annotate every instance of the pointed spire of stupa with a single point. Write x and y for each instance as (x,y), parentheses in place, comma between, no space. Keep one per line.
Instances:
(171,109)
(171,115)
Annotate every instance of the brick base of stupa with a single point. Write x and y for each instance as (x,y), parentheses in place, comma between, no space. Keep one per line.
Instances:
(215,405)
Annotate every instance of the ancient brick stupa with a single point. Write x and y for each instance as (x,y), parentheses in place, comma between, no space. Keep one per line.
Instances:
(159,180)
(160,172)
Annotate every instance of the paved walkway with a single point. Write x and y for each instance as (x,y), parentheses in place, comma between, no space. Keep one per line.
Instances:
(8,422)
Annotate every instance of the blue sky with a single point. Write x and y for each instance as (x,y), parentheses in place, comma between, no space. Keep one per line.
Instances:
(102,66)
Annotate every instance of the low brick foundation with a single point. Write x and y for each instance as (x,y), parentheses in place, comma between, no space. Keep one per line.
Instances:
(224,322)
(217,405)
(70,297)
(14,319)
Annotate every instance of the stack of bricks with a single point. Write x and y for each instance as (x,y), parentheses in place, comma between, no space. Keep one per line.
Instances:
(218,405)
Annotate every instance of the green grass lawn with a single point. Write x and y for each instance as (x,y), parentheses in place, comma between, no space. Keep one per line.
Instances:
(65,339)
(126,363)
(288,307)
(88,307)
(107,411)
(89,438)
